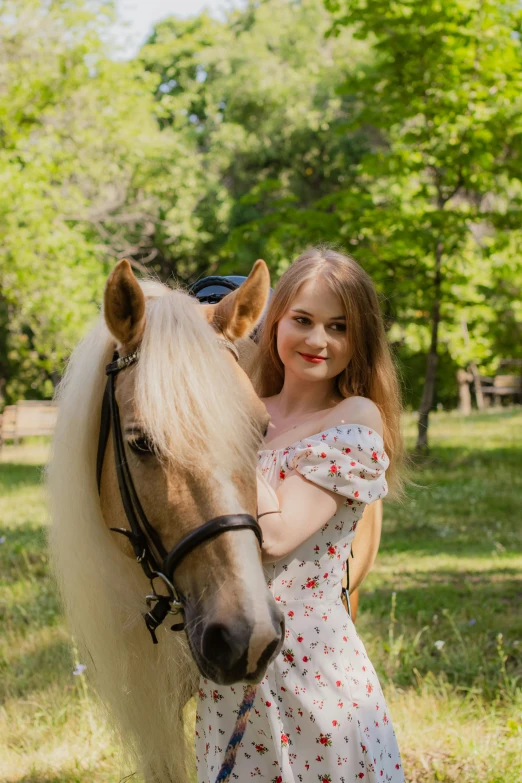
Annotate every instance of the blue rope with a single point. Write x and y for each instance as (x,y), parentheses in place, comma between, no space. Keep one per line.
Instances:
(229,759)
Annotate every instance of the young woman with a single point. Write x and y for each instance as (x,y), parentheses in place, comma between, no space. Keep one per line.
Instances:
(329,384)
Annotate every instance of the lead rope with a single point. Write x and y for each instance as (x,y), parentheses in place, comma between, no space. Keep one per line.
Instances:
(240,725)
(245,708)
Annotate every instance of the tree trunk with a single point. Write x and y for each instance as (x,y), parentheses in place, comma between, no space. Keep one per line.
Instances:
(4,346)
(464,379)
(479,396)
(431,365)
(474,369)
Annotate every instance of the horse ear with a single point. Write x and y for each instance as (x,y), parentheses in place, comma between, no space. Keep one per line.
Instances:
(238,312)
(124,304)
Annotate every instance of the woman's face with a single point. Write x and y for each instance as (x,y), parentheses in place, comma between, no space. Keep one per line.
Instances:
(314,325)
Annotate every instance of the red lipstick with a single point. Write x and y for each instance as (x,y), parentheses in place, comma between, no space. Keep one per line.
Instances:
(310,358)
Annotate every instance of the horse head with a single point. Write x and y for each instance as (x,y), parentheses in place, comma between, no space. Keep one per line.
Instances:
(191,424)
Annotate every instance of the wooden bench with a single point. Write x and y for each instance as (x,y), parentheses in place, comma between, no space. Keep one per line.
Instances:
(26,419)
(502,386)
(488,390)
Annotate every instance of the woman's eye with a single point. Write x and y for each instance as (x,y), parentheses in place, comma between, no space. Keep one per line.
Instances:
(141,446)
(342,327)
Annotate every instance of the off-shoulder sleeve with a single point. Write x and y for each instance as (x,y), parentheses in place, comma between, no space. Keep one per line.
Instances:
(348,459)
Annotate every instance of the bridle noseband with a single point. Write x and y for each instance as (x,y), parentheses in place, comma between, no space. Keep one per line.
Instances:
(150,553)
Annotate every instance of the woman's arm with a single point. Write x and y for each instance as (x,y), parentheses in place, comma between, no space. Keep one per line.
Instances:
(303,508)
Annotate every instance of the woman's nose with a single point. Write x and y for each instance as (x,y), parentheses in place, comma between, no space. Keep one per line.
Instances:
(316,336)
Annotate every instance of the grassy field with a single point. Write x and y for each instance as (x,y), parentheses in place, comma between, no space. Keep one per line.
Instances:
(440,615)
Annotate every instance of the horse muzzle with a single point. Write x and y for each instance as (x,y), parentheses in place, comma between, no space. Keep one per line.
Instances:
(235,649)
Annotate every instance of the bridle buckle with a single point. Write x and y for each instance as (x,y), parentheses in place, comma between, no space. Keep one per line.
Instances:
(152,599)
(175,603)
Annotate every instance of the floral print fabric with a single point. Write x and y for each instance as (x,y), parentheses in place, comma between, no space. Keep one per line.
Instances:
(319,713)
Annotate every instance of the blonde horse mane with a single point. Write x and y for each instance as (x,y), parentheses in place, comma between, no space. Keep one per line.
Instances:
(190,403)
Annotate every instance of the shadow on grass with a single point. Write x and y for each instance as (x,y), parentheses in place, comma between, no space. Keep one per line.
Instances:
(33,671)
(24,552)
(489,594)
(467,503)
(29,597)
(14,475)
(464,610)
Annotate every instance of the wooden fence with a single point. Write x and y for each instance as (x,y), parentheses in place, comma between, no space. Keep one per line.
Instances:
(27,418)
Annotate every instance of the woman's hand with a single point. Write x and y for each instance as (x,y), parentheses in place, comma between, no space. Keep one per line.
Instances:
(267,499)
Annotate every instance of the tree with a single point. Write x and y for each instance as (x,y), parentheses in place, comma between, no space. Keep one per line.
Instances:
(257,93)
(73,130)
(443,93)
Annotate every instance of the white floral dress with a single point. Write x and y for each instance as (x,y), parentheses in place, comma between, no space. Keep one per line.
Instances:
(319,713)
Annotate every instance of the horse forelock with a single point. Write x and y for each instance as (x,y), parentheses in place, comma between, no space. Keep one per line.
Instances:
(187,394)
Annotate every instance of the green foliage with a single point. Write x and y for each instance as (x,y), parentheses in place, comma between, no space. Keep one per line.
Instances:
(224,141)
(50,143)
(442,97)
(79,148)
(258,95)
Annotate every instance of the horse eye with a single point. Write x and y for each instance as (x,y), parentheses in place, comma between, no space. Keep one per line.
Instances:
(141,445)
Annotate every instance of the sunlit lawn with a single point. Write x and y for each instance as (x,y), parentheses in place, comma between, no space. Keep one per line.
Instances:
(441,616)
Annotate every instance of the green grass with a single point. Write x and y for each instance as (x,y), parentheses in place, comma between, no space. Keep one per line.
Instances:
(449,570)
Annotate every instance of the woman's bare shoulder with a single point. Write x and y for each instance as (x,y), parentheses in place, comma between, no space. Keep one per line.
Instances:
(355,410)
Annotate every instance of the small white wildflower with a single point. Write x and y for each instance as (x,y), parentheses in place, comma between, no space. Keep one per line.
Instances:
(79,669)
(439,644)
(2,539)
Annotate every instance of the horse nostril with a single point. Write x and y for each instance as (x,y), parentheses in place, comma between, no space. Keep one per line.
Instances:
(224,646)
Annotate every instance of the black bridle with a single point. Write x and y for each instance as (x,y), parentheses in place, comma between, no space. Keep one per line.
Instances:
(150,553)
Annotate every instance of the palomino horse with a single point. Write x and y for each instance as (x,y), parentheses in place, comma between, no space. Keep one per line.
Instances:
(191,425)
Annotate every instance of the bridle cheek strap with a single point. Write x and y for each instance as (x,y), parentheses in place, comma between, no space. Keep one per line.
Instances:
(155,561)
(216,526)
(207,531)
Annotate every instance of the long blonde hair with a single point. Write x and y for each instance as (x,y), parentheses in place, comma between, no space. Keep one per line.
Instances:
(371,371)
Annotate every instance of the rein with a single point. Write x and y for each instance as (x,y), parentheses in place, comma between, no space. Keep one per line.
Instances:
(156,562)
